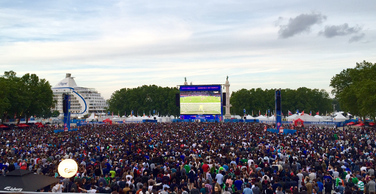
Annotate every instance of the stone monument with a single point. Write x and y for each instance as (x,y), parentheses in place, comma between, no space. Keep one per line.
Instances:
(228,105)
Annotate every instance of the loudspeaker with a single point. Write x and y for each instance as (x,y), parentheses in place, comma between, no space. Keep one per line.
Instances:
(65,103)
(278,100)
(177,99)
(155,118)
(224,99)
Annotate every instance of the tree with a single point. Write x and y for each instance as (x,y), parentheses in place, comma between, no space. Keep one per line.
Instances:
(144,99)
(25,96)
(304,99)
(4,98)
(39,93)
(355,89)
(16,95)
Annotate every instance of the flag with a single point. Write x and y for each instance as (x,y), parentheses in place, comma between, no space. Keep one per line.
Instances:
(259,112)
(290,113)
(310,113)
(317,113)
(302,113)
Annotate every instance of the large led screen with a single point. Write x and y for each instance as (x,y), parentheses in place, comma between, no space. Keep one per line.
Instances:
(200,100)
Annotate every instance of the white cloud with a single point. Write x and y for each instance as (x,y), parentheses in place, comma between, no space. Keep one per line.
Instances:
(109,45)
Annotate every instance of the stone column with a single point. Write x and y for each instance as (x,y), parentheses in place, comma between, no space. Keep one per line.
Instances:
(228,105)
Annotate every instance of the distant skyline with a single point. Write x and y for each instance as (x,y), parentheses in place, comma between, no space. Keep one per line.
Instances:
(109,45)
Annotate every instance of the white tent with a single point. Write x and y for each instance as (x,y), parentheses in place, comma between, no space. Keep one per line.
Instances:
(249,117)
(166,119)
(291,117)
(320,118)
(262,118)
(92,117)
(339,118)
(272,118)
(236,117)
(304,117)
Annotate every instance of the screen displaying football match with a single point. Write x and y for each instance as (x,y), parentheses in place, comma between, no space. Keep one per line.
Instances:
(200,100)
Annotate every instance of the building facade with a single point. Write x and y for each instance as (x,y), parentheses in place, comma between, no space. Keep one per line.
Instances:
(83,100)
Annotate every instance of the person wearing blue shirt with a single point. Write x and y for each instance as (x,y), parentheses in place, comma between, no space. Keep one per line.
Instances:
(219,178)
(247,190)
(226,167)
(238,183)
(320,185)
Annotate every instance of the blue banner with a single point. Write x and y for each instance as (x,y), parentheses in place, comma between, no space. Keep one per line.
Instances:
(201,88)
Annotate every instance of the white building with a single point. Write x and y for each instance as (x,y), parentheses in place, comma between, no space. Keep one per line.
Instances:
(83,100)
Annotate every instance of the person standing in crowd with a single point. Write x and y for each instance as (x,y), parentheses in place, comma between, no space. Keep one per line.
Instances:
(209,157)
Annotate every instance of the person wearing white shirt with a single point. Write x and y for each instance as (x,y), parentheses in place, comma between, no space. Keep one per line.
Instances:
(58,188)
(348,176)
(91,190)
(219,178)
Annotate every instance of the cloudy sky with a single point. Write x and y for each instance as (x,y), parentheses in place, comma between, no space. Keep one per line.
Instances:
(112,44)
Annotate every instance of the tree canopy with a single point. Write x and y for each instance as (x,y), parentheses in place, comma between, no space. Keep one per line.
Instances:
(24,96)
(355,89)
(144,99)
(302,99)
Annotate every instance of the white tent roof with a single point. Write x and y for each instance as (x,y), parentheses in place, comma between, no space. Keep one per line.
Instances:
(92,116)
(249,117)
(291,117)
(318,117)
(304,117)
(339,117)
(262,118)
(236,117)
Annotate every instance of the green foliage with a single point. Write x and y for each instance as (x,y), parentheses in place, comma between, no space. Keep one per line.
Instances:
(144,99)
(355,89)
(24,96)
(303,99)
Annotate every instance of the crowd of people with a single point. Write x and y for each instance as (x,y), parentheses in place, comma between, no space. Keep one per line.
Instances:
(206,158)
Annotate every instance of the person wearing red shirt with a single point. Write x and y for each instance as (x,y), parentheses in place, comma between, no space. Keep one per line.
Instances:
(205,167)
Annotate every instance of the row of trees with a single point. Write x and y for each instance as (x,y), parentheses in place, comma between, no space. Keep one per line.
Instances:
(302,99)
(23,97)
(355,89)
(145,99)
